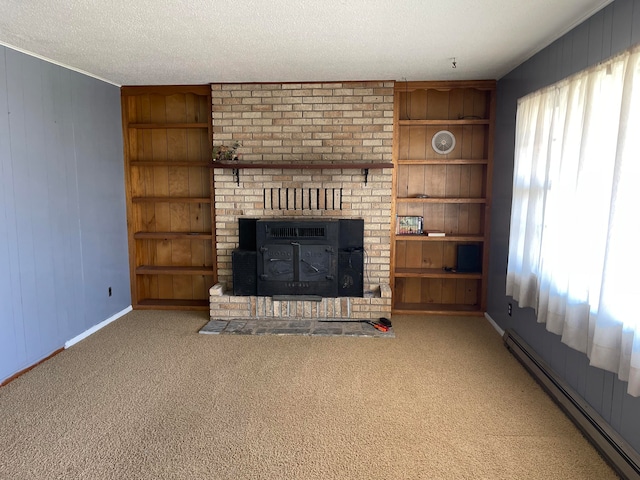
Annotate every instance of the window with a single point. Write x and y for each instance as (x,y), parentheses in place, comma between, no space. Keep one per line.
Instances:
(575,219)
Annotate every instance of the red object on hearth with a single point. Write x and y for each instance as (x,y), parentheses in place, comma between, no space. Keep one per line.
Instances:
(379,326)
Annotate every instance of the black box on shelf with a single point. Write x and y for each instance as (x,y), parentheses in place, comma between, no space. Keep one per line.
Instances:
(469,258)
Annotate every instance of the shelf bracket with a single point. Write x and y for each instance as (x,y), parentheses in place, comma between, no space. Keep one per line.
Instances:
(236,175)
(365,171)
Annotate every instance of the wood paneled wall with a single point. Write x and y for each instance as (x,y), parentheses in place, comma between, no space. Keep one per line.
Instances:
(606,33)
(63,239)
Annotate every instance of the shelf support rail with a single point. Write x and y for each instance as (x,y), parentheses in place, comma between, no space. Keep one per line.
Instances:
(236,167)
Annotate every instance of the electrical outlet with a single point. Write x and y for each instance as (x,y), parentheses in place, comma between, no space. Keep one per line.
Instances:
(509,308)
(110,295)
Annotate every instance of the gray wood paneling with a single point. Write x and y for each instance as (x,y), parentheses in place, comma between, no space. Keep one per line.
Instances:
(607,396)
(617,399)
(63,235)
(23,204)
(605,34)
(61,194)
(635,25)
(580,50)
(596,32)
(12,346)
(556,60)
(101,205)
(630,418)
(622,18)
(594,389)
(555,353)
(37,226)
(565,63)
(576,365)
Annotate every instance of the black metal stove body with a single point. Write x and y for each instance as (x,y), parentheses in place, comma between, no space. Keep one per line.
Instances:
(298,258)
(319,257)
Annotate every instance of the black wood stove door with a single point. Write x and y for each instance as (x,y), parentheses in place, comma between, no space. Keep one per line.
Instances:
(297,269)
(316,263)
(278,263)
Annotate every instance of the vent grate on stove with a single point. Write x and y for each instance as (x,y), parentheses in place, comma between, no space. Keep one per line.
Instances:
(296,232)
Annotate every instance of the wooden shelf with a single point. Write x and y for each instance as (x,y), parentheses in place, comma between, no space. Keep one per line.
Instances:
(201,125)
(301,166)
(469,121)
(168,164)
(365,167)
(440,200)
(434,273)
(459,185)
(171,199)
(437,309)
(170,202)
(172,304)
(171,235)
(453,237)
(172,270)
(444,161)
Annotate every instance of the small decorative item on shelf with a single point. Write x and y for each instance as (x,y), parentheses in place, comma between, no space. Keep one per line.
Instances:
(435,233)
(408,225)
(225,153)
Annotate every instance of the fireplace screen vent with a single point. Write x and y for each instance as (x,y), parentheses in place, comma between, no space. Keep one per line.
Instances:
(296,198)
(296,232)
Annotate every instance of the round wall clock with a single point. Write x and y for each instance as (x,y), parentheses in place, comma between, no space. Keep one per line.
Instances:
(443,142)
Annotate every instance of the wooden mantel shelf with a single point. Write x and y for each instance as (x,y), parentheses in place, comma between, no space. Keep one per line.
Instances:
(365,167)
(302,166)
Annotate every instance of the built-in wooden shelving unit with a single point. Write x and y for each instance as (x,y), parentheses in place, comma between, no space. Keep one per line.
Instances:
(170,211)
(451,193)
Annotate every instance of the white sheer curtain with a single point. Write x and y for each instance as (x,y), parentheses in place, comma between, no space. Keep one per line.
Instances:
(574,249)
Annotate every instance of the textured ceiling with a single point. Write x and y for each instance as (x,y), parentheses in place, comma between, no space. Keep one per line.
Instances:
(164,42)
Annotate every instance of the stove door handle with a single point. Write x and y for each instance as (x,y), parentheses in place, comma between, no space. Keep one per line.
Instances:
(315,269)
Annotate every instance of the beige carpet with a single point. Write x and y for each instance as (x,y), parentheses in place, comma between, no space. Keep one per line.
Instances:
(148,397)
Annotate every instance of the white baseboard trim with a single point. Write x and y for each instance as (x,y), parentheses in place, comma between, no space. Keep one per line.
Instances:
(97,327)
(494,324)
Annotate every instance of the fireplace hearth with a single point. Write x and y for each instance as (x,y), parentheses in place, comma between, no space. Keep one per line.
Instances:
(299,257)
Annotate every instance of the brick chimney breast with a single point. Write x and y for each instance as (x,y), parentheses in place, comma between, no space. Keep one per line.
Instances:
(306,123)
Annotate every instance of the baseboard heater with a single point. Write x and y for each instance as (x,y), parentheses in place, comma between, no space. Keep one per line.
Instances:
(620,455)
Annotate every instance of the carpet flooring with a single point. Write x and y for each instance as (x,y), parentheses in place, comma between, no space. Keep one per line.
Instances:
(147,397)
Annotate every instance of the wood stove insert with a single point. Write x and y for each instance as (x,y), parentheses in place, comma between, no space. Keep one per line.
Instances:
(299,257)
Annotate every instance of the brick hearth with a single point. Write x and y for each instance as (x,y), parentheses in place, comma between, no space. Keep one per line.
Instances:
(373,306)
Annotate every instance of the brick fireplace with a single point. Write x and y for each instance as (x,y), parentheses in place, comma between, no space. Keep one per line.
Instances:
(315,126)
